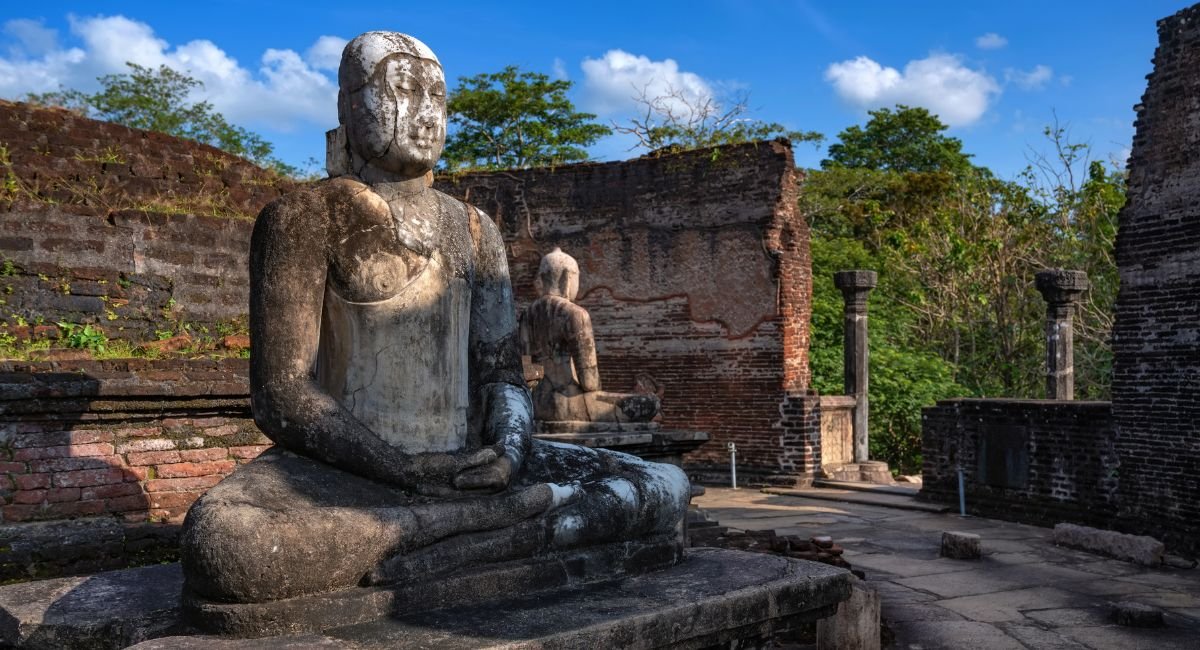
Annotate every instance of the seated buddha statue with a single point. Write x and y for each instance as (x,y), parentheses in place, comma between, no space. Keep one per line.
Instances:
(386,369)
(557,333)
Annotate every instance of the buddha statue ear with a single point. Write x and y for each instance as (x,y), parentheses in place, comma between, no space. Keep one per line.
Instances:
(337,152)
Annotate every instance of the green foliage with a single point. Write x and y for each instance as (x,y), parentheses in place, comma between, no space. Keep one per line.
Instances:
(157,100)
(83,337)
(956,312)
(512,119)
(905,140)
(677,121)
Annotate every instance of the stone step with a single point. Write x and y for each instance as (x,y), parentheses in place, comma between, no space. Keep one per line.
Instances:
(868,498)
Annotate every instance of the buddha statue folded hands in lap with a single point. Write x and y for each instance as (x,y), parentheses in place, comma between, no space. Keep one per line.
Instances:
(386,369)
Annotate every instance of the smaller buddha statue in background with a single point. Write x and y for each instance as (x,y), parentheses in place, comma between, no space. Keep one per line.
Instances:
(557,333)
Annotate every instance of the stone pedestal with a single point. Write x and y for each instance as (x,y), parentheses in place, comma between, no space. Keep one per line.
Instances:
(1061,289)
(855,286)
(646,440)
(715,597)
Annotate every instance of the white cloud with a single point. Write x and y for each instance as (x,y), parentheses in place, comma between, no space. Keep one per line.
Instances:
(940,83)
(326,53)
(1035,79)
(613,82)
(283,91)
(990,41)
(33,38)
(559,71)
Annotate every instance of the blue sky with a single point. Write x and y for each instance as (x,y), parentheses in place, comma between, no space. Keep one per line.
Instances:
(998,72)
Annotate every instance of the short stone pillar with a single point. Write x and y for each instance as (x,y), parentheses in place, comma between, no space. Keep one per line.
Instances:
(855,286)
(1061,289)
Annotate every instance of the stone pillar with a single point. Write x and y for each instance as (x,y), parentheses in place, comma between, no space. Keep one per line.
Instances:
(855,286)
(1061,289)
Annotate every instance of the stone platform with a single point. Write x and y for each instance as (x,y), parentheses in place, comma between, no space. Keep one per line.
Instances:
(644,440)
(713,597)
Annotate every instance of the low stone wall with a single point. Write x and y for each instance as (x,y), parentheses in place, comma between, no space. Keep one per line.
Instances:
(1035,461)
(122,448)
(837,430)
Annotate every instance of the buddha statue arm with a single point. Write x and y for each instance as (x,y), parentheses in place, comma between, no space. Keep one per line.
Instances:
(583,350)
(287,282)
(495,358)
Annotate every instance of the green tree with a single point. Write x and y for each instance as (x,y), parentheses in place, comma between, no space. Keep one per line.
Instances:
(676,121)
(907,139)
(512,119)
(157,100)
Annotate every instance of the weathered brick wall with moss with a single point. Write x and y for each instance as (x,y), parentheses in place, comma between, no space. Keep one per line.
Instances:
(122,447)
(696,270)
(1156,335)
(131,231)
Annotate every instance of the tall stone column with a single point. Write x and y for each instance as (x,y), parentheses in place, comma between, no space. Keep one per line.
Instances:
(855,286)
(1061,289)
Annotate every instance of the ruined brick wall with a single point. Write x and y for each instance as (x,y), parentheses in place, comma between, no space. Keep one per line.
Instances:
(1156,338)
(131,273)
(121,228)
(121,447)
(696,270)
(1035,461)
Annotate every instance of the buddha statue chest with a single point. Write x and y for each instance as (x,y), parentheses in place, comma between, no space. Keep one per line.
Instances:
(395,321)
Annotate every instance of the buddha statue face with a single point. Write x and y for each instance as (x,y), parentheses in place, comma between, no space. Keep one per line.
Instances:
(558,275)
(392,103)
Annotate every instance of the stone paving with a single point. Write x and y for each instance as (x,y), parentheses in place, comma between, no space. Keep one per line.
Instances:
(1024,593)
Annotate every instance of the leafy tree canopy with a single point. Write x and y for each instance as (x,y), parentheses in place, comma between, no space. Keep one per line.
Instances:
(157,100)
(906,139)
(676,121)
(512,119)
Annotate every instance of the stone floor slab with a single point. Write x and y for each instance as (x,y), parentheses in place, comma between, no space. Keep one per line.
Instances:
(906,567)
(1009,605)
(1041,639)
(1125,638)
(991,579)
(952,635)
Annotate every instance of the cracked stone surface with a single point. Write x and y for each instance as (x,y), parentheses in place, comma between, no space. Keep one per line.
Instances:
(1023,593)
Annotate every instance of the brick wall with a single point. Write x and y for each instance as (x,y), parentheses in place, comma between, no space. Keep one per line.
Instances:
(1036,461)
(125,445)
(121,228)
(131,273)
(696,270)
(1156,375)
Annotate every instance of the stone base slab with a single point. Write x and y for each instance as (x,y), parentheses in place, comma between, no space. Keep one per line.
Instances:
(464,587)
(716,597)
(713,597)
(650,444)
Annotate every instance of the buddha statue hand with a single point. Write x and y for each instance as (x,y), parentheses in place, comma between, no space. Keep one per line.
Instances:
(459,473)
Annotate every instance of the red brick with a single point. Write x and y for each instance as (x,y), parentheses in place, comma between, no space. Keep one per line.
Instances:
(74,509)
(138,432)
(13,468)
(125,504)
(221,431)
(152,457)
(248,451)
(147,444)
(20,512)
(200,455)
(109,491)
(88,477)
(61,438)
(70,464)
(182,484)
(58,495)
(29,496)
(65,451)
(184,470)
(31,481)
(137,473)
